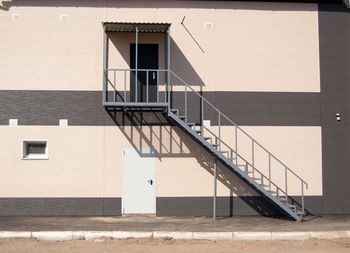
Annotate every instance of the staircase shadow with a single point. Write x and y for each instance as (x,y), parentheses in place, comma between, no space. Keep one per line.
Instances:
(150,128)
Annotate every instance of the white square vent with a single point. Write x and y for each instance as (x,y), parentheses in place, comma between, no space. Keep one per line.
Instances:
(16,17)
(64,18)
(208,26)
(206,123)
(13,122)
(63,122)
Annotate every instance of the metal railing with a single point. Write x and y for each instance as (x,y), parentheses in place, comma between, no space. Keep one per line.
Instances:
(233,153)
(250,161)
(120,88)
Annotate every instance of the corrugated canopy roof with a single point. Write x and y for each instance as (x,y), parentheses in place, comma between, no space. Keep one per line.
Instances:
(131,27)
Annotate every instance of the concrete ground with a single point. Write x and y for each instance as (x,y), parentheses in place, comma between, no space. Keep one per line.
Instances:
(193,224)
(174,246)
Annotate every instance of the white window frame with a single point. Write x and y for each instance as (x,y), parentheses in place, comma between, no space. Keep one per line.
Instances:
(35,156)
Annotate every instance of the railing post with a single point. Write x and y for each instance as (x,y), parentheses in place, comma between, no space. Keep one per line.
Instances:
(157,86)
(115,90)
(286,184)
(169,88)
(253,158)
(215,177)
(105,86)
(236,144)
(302,198)
(124,85)
(219,123)
(202,117)
(270,171)
(186,104)
(147,81)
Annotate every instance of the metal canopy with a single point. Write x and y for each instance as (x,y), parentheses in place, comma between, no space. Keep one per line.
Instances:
(131,27)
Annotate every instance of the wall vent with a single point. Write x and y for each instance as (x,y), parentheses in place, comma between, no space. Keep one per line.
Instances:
(35,150)
(13,122)
(63,122)
(208,27)
(16,17)
(64,18)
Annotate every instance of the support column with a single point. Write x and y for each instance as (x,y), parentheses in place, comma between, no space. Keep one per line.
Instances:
(105,65)
(215,187)
(136,52)
(168,67)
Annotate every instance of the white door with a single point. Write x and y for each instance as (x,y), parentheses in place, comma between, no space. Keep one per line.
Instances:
(139,180)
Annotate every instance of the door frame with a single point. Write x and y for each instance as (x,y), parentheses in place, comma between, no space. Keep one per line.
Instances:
(141,86)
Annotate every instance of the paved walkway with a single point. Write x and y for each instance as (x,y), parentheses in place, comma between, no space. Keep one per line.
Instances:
(193,224)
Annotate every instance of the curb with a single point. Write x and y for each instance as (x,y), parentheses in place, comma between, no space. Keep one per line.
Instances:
(237,236)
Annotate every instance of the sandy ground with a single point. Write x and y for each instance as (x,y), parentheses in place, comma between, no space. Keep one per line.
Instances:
(170,245)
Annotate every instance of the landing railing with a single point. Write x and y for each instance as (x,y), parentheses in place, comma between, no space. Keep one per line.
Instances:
(238,146)
(123,86)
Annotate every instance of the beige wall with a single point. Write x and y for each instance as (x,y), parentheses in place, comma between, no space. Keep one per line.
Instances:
(86,161)
(253,47)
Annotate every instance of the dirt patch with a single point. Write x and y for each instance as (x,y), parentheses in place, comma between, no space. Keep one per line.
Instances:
(161,245)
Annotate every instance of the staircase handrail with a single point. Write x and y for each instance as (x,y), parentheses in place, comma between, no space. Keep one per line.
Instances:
(232,122)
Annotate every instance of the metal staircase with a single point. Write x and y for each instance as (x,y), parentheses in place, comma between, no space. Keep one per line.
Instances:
(240,152)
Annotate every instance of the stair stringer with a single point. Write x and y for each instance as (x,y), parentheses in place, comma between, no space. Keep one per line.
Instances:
(192,133)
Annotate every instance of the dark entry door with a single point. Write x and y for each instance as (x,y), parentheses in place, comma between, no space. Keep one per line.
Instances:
(147,58)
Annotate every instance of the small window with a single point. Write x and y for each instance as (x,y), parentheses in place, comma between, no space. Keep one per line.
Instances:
(35,149)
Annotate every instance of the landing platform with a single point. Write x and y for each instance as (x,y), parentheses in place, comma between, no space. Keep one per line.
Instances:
(135,106)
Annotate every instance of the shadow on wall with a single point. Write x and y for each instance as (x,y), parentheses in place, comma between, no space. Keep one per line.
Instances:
(282,6)
(179,62)
(152,129)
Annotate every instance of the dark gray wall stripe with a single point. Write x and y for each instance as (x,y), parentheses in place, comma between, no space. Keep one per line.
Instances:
(334,39)
(85,108)
(166,206)
(226,206)
(60,206)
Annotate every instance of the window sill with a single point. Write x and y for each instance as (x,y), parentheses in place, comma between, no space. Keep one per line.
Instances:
(35,158)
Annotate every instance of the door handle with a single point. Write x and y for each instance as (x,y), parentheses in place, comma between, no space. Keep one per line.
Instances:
(150,181)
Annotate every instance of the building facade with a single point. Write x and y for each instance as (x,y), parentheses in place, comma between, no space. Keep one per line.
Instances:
(280,70)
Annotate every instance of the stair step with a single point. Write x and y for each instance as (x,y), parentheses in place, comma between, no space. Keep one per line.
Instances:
(272,192)
(215,144)
(191,124)
(241,165)
(182,117)
(175,111)
(265,185)
(224,152)
(291,207)
(198,131)
(257,178)
(284,200)
(208,138)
